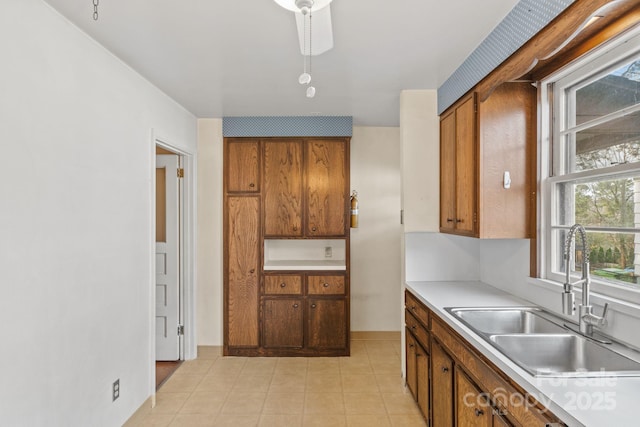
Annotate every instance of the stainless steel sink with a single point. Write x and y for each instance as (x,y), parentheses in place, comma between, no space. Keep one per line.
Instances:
(537,341)
(511,320)
(550,354)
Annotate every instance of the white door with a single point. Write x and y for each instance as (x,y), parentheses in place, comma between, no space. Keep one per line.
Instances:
(167,258)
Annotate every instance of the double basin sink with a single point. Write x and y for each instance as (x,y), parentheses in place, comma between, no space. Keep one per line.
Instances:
(537,341)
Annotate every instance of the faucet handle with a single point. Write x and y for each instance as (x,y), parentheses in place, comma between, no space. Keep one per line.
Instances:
(603,322)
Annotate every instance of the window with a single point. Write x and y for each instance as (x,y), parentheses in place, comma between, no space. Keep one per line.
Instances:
(593,165)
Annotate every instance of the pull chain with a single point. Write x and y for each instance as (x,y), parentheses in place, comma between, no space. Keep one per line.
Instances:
(95,9)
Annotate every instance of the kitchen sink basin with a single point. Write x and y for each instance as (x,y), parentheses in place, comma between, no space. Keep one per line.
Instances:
(512,320)
(537,341)
(550,354)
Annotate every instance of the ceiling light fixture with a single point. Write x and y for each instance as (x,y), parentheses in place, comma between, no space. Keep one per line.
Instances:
(305,11)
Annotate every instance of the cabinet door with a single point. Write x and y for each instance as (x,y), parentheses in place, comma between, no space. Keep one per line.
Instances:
(466,166)
(283,323)
(242,166)
(327,323)
(441,386)
(472,408)
(243,243)
(422,376)
(412,377)
(326,191)
(283,188)
(448,172)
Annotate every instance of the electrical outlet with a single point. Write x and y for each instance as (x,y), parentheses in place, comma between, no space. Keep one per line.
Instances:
(116,389)
(328,252)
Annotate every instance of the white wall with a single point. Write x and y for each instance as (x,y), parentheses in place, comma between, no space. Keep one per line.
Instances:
(375,244)
(75,235)
(210,295)
(420,148)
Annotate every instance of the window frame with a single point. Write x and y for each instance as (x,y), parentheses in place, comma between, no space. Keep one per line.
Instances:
(552,160)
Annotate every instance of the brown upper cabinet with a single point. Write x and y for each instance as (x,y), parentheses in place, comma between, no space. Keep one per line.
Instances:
(243,171)
(486,173)
(305,180)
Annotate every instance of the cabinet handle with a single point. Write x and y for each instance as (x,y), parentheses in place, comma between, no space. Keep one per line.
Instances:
(479,412)
(282,285)
(326,285)
(313,306)
(295,305)
(445,369)
(252,185)
(449,220)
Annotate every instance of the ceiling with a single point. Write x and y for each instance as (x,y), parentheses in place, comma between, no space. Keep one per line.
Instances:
(241,58)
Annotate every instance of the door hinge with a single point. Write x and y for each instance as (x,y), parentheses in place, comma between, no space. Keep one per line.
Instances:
(180,329)
(180,173)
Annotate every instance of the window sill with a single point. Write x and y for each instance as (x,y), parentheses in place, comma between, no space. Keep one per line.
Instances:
(620,298)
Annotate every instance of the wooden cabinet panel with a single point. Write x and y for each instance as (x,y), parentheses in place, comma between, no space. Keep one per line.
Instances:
(417,309)
(283,188)
(327,323)
(326,180)
(466,166)
(412,373)
(418,331)
(283,323)
(441,386)
(448,172)
(243,243)
(282,285)
(472,408)
(326,285)
(242,166)
(422,375)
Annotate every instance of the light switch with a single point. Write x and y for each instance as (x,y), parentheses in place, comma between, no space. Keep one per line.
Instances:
(507,180)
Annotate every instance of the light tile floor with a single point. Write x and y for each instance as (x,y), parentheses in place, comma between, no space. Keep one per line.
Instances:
(365,389)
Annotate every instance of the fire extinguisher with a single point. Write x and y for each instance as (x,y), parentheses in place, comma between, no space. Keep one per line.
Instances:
(354,209)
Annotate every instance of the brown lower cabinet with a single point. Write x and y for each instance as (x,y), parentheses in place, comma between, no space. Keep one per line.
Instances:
(461,387)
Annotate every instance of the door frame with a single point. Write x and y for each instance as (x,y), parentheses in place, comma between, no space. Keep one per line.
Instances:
(187,247)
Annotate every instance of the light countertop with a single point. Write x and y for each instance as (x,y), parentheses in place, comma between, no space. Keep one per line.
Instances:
(577,401)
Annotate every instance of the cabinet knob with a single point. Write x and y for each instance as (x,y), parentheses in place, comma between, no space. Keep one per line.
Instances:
(252,185)
(459,220)
(295,305)
(410,345)
(282,285)
(414,327)
(295,228)
(445,369)
(313,228)
(479,412)
(253,270)
(313,306)
(326,285)
(413,308)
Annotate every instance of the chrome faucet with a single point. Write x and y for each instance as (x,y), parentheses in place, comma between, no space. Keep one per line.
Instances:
(586,319)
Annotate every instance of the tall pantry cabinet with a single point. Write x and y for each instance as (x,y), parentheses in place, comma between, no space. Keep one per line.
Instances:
(285,190)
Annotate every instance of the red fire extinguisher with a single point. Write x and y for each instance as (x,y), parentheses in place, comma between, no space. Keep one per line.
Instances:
(354,209)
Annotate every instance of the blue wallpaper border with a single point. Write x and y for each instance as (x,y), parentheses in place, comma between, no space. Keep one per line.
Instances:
(258,126)
(524,21)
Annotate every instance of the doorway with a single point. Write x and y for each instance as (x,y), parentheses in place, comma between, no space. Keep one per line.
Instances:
(169,262)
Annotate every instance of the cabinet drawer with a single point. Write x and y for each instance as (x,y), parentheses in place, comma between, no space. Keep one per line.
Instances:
(284,284)
(326,285)
(417,329)
(417,309)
